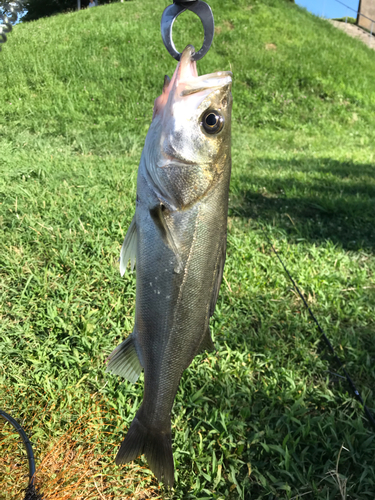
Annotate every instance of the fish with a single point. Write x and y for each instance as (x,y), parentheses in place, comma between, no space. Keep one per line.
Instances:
(177,240)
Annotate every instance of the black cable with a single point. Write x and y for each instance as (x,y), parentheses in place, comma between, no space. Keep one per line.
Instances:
(330,347)
(31,493)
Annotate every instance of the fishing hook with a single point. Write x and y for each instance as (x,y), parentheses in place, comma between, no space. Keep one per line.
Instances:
(202,10)
(6,20)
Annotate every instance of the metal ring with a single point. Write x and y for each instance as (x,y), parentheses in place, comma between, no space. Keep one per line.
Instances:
(10,16)
(203,11)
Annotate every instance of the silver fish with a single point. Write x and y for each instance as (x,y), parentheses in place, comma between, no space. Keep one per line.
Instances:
(178,239)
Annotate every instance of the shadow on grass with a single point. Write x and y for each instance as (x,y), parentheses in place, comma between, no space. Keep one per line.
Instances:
(311,199)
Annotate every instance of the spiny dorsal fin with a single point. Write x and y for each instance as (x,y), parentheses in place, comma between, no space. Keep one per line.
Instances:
(219,273)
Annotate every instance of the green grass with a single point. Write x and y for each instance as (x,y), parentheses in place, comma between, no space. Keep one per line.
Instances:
(265,418)
(347,19)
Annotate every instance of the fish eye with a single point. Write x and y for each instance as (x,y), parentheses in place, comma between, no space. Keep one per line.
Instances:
(212,121)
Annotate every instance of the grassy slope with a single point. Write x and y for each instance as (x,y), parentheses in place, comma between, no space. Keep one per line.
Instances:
(76,103)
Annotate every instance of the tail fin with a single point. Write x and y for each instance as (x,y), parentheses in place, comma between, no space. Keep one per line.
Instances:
(155,444)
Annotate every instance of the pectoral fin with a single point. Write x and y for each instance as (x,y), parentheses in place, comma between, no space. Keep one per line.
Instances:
(129,248)
(157,215)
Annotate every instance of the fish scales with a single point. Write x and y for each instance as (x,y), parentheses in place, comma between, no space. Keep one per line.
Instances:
(178,237)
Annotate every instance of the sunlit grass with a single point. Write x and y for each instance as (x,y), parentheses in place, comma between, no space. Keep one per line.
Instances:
(265,417)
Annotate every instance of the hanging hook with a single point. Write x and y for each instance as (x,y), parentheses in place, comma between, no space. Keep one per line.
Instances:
(202,10)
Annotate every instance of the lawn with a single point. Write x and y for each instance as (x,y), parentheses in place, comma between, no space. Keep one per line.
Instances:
(268,416)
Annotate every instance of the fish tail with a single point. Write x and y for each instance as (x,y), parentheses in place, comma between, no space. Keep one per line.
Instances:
(155,444)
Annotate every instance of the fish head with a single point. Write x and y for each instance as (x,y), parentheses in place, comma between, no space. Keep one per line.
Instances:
(188,144)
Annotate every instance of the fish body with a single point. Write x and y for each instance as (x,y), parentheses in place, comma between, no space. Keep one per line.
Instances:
(178,237)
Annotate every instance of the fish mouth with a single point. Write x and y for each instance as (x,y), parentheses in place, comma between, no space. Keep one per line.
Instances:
(187,68)
(172,158)
(187,74)
(185,80)
(175,161)
(208,82)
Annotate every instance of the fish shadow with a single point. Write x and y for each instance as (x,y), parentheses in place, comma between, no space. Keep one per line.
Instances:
(309,199)
(273,433)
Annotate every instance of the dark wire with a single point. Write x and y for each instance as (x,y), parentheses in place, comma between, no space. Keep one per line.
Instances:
(330,347)
(31,493)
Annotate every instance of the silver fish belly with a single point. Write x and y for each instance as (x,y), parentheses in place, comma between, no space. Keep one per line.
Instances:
(178,238)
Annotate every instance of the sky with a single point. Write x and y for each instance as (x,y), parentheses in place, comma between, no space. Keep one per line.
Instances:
(330,8)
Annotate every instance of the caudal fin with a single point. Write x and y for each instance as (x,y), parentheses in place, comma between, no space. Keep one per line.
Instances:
(156,445)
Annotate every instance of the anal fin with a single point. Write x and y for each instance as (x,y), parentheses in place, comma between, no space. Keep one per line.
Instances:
(129,248)
(124,361)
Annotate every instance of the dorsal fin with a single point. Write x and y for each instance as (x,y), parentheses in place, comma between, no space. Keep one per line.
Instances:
(219,273)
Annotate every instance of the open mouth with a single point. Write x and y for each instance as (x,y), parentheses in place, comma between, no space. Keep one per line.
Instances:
(207,82)
(174,161)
